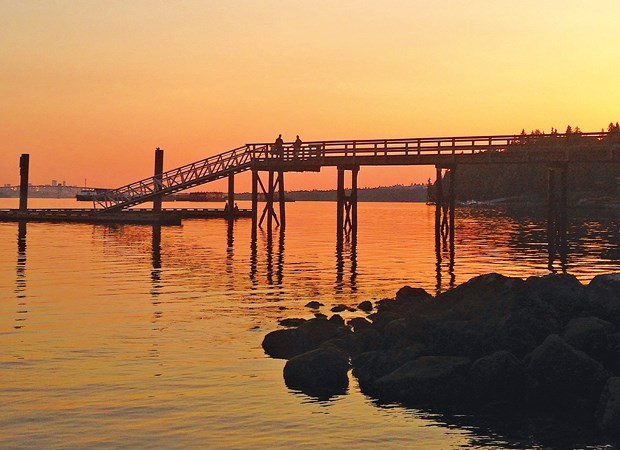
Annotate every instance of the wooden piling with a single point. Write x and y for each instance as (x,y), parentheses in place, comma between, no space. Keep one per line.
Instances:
(24,168)
(157,178)
(231,195)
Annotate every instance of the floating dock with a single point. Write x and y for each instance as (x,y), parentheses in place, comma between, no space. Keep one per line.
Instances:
(172,216)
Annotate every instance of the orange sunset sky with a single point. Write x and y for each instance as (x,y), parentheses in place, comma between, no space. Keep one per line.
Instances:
(90,88)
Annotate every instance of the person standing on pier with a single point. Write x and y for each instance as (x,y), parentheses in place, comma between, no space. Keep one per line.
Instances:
(297,148)
(278,147)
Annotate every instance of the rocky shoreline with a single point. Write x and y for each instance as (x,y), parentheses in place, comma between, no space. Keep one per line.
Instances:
(542,346)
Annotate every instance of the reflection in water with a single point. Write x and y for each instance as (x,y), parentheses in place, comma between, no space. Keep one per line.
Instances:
(274,264)
(230,240)
(20,281)
(444,246)
(348,249)
(156,261)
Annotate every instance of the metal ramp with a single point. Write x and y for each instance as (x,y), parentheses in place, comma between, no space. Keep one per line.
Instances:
(184,177)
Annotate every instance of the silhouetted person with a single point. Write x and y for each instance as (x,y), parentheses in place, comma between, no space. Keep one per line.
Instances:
(278,147)
(236,208)
(297,148)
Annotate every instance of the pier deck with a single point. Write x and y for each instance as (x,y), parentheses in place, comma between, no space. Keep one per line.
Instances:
(171,216)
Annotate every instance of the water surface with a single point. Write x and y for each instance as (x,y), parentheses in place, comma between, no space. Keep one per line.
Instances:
(138,336)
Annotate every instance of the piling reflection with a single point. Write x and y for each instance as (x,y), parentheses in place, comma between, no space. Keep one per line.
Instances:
(444,248)
(230,240)
(20,280)
(274,256)
(156,261)
(346,251)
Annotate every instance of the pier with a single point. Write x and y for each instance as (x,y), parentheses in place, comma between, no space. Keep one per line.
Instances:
(269,164)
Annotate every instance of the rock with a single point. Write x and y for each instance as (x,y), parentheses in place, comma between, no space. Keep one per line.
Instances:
(359,324)
(381,319)
(319,315)
(525,327)
(561,291)
(365,306)
(588,334)
(337,319)
(459,337)
(370,366)
(608,412)
(308,336)
(314,304)
(284,343)
(407,300)
(321,372)
(560,375)
(611,358)
(498,377)
(395,334)
(363,341)
(339,308)
(428,379)
(291,322)
(604,297)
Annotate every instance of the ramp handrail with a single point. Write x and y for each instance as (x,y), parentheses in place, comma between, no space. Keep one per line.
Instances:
(211,168)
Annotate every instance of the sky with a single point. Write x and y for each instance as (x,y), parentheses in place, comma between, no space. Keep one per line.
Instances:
(90,88)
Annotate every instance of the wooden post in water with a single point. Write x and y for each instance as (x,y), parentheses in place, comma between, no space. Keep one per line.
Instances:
(254,204)
(551,217)
(353,200)
(282,199)
(438,205)
(452,199)
(270,195)
(231,196)
(24,167)
(340,206)
(157,178)
(562,213)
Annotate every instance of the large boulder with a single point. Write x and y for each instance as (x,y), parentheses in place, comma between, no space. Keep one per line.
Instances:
(284,343)
(486,314)
(308,336)
(563,376)
(428,379)
(370,366)
(589,334)
(608,413)
(498,378)
(604,297)
(407,300)
(611,358)
(561,291)
(321,372)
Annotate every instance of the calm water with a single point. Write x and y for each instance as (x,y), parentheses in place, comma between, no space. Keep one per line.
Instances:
(129,336)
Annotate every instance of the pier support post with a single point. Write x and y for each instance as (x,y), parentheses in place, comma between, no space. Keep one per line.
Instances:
(254,203)
(231,196)
(275,184)
(157,178)
(282,200)
(346,213)
(557,192)
(24,167)
(340,206)
(438,206)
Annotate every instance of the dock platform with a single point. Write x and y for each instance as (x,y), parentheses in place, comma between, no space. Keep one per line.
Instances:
(171,216)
